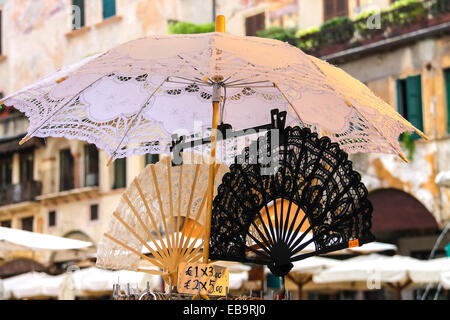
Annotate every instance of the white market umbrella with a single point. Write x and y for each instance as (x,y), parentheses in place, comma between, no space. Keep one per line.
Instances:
(28,285)
(371,270)
(40,241)
(372,247)
(429,271)
(445,280)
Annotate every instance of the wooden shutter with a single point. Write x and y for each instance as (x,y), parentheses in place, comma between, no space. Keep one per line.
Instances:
(120,173)
(26,167)
(66,168)
(109,8)
(254,24)
(414,102)
(335,8)
(447,87)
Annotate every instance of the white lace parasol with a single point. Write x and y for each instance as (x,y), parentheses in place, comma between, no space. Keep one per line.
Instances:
(131,99)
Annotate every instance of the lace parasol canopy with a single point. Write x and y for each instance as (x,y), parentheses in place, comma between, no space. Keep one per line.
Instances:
(133,98)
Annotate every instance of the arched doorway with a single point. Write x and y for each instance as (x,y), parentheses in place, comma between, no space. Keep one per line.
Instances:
(85,257)
(400,218)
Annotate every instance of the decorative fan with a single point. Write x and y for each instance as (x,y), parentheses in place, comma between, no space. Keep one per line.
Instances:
(311,204)
(161,213)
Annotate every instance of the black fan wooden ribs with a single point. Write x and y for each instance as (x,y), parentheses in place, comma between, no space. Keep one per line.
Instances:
(316,199)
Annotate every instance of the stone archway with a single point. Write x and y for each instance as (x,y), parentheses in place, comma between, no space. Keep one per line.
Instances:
(396,210)
(400,218)
(73,255)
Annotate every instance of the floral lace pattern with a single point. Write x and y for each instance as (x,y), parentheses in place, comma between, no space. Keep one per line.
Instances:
(131,99)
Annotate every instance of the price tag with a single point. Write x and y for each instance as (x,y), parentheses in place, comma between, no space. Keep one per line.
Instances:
(207,279)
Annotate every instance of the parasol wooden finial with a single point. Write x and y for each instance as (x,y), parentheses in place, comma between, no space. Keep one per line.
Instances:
(24,140)
(423,135)
(220,23)
(401,155)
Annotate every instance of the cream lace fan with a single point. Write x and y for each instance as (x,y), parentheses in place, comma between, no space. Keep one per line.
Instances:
(161,213)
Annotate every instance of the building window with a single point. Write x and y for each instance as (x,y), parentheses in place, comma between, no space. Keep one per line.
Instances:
(447,87)
(66,171)
(94,212)
(27,224)
(6,224)
(335,8)
(254,24)
(120,173)
(5,172)
(1,32)
(91,166)
(79,14)
(151,158)
(409,101)
(109,8)
(52,218)
(26,160)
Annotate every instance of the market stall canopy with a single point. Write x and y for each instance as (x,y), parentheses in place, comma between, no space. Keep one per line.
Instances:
(372,247)
(40,241)
(445,280)
(86,283)
(374,267)
(430,271)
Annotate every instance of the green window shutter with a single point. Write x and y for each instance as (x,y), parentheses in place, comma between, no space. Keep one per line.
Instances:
(80,4)
(109,8)
(447,87)
(414,102)
(399,97)
(120,173)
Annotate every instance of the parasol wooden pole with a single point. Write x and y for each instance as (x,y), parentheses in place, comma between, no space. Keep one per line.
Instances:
(220,27)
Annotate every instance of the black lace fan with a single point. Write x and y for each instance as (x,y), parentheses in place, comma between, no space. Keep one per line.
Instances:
(312,203)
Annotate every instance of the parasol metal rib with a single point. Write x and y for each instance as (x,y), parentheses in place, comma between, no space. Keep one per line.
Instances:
(156,263)
(179,144)
(30,135)
(135,118)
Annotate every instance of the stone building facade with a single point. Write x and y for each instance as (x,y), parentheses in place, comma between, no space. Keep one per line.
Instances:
(37,38)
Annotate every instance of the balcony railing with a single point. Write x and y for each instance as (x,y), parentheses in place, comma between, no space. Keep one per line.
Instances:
(343,34)
(24,192)
(12,125)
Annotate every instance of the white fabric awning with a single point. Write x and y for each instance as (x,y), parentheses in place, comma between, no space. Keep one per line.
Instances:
(40,241)
(445,280)
(314,265)
(369,268)
(86,282)
(429,271)
(373,247)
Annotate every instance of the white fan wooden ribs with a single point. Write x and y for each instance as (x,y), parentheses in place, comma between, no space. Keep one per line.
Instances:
(163,211)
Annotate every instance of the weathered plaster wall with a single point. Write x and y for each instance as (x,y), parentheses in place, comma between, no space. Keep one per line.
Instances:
(428,58)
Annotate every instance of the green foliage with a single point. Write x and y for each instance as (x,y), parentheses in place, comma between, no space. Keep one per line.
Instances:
(409,144)
(189,28)
(361,24)
(406,12)
(337,30)
(277,33)
(440,7)
(308,39)
(307,32)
